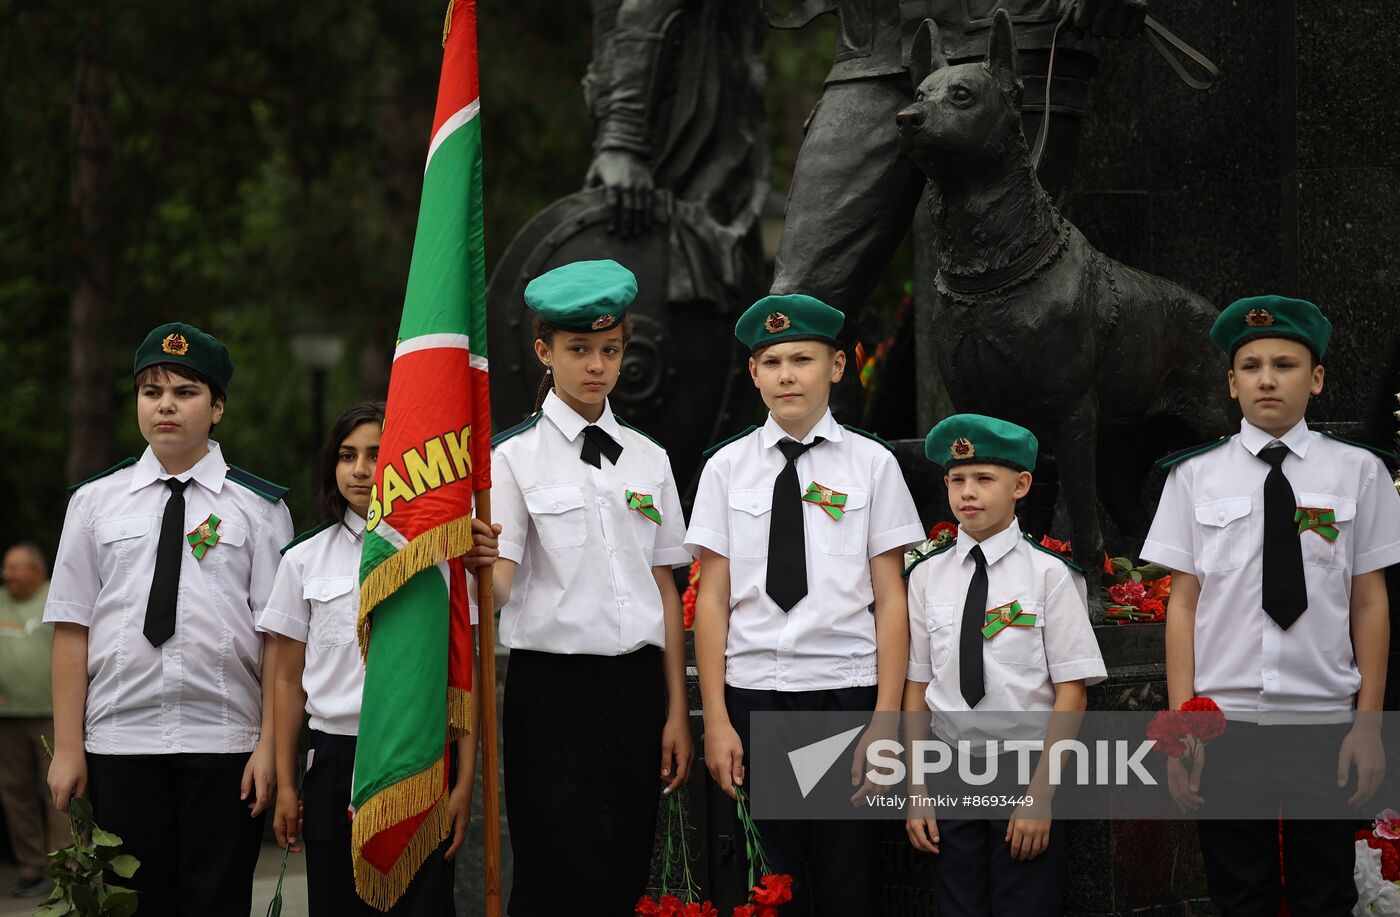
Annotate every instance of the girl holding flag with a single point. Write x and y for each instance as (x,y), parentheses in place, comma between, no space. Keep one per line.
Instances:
(595,694)
(312,610)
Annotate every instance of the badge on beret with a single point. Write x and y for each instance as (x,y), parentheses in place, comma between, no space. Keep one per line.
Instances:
(1004,616)
(1320,519)
(1259,318)
(832,502)
(644,504)
(775,322)
(962,448)
(204,537)
(175,344)
(602,322)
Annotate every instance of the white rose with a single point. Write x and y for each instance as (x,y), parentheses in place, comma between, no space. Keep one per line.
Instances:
(1374,895)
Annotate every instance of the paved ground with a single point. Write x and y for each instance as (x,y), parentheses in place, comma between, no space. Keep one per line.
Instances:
(264,883)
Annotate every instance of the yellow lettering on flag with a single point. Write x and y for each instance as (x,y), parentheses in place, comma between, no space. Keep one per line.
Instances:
(394,489)
(459,447)
(432,472)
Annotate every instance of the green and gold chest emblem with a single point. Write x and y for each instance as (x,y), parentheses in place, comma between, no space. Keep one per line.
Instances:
(204,536)
(1004,616)
(1320,519)
(644,504)
(832,502)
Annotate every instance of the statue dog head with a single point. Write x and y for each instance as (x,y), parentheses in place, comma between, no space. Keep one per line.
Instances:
(966,118)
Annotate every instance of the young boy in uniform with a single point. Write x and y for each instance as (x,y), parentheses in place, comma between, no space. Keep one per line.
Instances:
(1277,538)
(164,563)
(800,526)
(996,623)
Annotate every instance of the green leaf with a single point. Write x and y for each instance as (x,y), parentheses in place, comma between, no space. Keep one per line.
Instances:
(105,838)
(120,902)
(1122,564)
(80,809)
(55,910)
(1136,576)
(85,899)
(124,865)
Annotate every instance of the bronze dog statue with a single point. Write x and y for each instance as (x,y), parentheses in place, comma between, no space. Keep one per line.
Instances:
(1034,324)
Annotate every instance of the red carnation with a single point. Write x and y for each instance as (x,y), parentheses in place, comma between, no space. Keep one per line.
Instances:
(1108,564)
(646,908)
(1167,732)
(1160,588)
(692,594)
(1054,544)
(1155,608)
(1127,594)
(942,533)
(670,906)
(1203,719)
(744,910)
(773,889)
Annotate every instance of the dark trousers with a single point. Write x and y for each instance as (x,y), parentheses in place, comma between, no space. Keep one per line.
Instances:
(180,815)
(330,873)
(834,864)
(1242,857)
(582,779)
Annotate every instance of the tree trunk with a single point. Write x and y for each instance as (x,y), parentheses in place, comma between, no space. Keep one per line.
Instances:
(90,407)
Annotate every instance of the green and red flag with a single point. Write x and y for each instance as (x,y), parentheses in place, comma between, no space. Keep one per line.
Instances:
(435,453)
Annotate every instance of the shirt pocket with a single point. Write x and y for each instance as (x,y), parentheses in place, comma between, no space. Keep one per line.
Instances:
(557,512)
(332,613)
(1319,550)
(750,515)
(1224,527)
(117,538)
(1021,646)
(847,534)
(941,634)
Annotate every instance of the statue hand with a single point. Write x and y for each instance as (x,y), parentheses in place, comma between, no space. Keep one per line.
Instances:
(628,182)
(1109,18)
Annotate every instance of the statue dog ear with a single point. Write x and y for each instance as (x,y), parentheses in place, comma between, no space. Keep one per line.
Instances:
(926,53)
(1001,54)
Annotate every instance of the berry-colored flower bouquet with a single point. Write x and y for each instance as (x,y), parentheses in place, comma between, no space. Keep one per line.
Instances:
(1377,869)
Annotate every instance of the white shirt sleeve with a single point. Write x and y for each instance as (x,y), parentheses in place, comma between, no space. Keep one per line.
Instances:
(920,666)
(669,548)
(1071,650)
(894,519)
(76,580)
(508,509)
(1170,541)
(287,612)
(1376,532)
(709,516)
(271,536)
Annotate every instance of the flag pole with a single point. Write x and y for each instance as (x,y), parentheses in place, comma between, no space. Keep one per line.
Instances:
(490,771)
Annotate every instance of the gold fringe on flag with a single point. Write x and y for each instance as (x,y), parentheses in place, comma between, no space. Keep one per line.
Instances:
(451,539)
(447,23)
(459,713)
(390,806)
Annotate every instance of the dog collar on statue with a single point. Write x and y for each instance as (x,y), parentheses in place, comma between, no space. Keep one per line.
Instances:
(1026,263)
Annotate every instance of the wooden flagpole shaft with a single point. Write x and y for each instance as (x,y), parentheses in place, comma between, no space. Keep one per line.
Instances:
(490,772)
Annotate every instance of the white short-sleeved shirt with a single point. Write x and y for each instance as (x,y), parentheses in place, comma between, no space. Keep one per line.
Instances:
(584,582)
(1021,665)
(316,600)
(827,640)
(1210,523)
(200,691)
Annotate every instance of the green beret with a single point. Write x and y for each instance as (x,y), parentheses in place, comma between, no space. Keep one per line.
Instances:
(1271,317)
(186,345)
(790,317)
(583,296)
(971,439)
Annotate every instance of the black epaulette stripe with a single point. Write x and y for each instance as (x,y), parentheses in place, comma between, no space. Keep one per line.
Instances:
(521,427)
(124,463)
(636,429)
(1056,554)
(1390,458)
(868,435)
(260,486)
(309,533)
(1181,455)
(934,553)
(720,445)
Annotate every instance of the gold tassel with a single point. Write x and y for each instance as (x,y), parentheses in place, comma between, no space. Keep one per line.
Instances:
(459,713)
(447,23)
(451,539)
(422,792)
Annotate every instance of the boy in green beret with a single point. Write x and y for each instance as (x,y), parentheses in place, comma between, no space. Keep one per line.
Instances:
(159,713)
(996,623)
(801,527)
(1278,538)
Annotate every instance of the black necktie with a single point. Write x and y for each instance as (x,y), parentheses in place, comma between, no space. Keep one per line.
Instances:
(787,540)
(1285,589)
(165,584)
(596,444)
(971,678)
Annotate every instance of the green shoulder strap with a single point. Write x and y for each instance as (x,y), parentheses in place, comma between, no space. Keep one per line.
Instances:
(516,430)
(124,463)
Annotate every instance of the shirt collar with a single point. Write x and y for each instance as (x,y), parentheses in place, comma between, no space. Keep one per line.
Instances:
(354,526)
(1296,439)
(571,422)
(209,471)
(994,548)
(827,428)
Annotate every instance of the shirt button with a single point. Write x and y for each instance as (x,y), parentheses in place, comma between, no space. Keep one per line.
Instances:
(123,531)
(782,668)
(782,684)
(169,706)
(787,645)
(558,506)
(1220,517)
(167,744)
(603,501)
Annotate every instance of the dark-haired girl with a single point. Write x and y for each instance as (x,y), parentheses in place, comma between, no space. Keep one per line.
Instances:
(596,722)
(312,610)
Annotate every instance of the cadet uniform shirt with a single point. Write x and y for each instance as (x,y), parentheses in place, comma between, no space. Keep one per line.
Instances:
(199,692)
(584,584)
(827,640)
(1210,523)
(1021,665)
